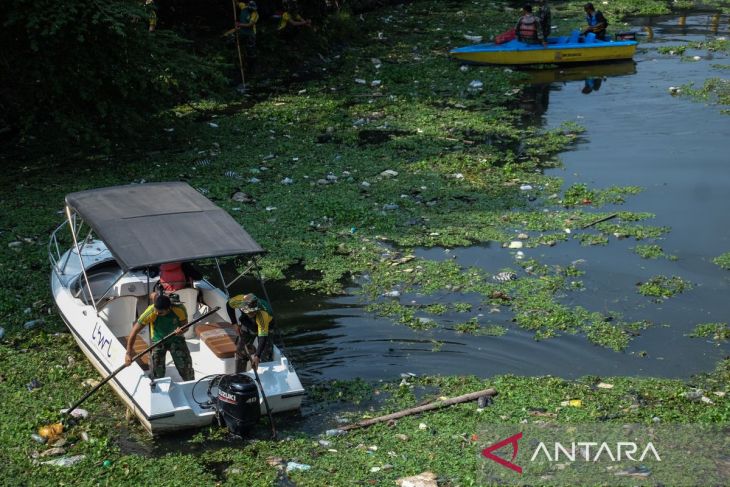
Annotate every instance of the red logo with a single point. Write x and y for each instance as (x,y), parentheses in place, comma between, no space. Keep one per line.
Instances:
(487,452)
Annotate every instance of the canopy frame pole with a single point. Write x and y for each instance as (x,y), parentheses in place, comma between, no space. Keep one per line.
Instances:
(243,273)
(78,250)
(223,280)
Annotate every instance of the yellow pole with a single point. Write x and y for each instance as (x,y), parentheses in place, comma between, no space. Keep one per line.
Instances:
(238,43)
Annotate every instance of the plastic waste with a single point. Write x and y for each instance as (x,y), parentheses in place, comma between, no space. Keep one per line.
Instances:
(38,438)
(335,432)
(392,294)
(484,401)
(505,276)
(292,466)
(476,85)
(65,461)
(51,431)
(77,413)
(33,323)
(473,38)
(33,384)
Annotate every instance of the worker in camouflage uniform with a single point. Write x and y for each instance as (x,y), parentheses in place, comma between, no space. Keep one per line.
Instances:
(163,318)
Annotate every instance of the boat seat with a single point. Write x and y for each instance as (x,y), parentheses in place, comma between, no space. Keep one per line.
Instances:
(219,337)
(119,314)
(189,299)
(139,345)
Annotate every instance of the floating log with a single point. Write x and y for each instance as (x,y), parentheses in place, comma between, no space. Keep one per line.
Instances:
(472,396)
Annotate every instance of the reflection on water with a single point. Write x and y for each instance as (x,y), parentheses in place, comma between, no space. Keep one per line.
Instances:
(535,97)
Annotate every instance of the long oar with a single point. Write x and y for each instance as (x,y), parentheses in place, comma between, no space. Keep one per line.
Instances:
(134,359)
(263,394)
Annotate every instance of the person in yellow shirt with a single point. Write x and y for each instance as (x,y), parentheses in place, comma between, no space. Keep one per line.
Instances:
(246,26)
(163,318)
(255,321)
(291,19)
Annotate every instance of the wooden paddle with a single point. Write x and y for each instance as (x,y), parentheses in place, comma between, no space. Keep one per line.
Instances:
(134,359)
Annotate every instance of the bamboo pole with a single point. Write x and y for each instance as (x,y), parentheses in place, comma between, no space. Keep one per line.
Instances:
(238,43)
(613,215)
(472,396)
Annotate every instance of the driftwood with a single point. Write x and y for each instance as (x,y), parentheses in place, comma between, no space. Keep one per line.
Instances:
(612,215)
(472,396)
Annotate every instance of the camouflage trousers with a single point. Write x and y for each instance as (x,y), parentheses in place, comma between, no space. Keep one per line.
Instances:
(180,356)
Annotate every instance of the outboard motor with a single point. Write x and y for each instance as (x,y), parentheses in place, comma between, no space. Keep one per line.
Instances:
(238,403)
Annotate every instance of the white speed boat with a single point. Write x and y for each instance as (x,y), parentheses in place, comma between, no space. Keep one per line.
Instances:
(104,271)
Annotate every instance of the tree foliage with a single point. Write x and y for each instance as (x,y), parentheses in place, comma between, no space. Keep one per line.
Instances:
(89,70)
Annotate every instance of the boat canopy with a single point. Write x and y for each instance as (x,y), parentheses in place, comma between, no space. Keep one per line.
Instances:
(154,223)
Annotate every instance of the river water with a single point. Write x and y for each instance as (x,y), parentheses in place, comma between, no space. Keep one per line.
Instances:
(637,134)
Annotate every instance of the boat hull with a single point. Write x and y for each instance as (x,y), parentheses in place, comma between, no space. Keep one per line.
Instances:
(516,53)
(170,404)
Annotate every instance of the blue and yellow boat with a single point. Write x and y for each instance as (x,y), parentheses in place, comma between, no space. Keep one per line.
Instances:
(560,50)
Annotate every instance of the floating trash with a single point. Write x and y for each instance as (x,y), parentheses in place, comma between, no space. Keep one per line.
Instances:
(476,85)
(213,125)
(33,323)
(515,244)
(504,276)
(464,68)
(473,38)
(231,174)
(484,401)
(77,413)
(392,294)
(389,173)
(242,197)
(202,190)
(390,206)
(203,163)
(293,466)
(32,385)
(360,81)
(525,187)
(65,461)
(287,181)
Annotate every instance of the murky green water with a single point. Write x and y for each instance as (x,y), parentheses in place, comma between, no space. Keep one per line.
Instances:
(637,134)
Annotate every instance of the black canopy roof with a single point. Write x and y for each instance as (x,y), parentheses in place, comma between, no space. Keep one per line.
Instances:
(155,223)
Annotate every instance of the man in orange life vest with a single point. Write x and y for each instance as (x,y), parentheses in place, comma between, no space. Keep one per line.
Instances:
(528,28)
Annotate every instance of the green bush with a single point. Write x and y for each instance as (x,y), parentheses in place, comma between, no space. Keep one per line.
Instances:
(90,71)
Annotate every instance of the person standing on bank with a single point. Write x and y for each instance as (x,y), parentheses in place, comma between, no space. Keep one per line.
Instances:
(246,25)
(255,322)
(528,28)
(163,318)
(597,23)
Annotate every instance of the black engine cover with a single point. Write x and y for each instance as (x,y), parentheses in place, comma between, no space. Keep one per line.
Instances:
(238,403)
